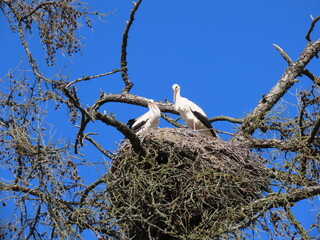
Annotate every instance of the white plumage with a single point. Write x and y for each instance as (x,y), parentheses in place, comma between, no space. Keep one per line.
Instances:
(191,113)
(146,121)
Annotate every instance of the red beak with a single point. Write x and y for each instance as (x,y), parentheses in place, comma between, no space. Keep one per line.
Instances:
(174,95)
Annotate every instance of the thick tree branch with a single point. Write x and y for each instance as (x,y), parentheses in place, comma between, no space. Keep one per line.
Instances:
(123,60)
(287,80)
(124,129)
(131,99)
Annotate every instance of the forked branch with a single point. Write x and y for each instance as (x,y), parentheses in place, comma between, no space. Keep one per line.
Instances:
(313,23)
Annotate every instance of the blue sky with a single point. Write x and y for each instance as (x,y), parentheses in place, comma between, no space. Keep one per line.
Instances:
(219,52)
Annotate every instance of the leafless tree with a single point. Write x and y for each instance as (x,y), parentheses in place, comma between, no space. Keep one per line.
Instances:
(278,155)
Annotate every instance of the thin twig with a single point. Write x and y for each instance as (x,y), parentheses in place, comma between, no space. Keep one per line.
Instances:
(86,78)
(313,23)
(99,147)
(123,60)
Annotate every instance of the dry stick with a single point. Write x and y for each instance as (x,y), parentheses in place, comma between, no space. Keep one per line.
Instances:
(287,80)
(283,54)
(313,23)
(86,78)
(99,147)
(123,60)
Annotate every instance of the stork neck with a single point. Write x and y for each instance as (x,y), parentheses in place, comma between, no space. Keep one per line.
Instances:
(176,95)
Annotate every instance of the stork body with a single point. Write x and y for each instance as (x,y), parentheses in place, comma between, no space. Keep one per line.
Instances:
(191,113)
(146,121)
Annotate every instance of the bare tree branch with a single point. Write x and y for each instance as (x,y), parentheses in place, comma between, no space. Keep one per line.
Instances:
(255,209)
(124,129)
(310,75)
(283,54)
(172,121)
(99,147)
(131,99)
(287,80)
(313,23)
(40,5)
(123,60)
(226,118)
(86,78)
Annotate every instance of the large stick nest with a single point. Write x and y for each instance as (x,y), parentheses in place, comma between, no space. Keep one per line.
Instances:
(186,186)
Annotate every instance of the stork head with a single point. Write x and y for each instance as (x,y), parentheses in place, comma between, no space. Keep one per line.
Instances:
(176,89)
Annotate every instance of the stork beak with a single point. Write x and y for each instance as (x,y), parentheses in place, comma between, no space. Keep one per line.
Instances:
(174,95)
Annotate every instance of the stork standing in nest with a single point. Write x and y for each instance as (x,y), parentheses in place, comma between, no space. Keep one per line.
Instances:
(148,120)
(191,113)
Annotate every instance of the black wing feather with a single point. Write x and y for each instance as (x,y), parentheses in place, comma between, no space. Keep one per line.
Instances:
(205,121)
(131,122)
(136,127)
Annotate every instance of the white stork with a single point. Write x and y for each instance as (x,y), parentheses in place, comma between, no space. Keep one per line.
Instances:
(191,113)
(148,120)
